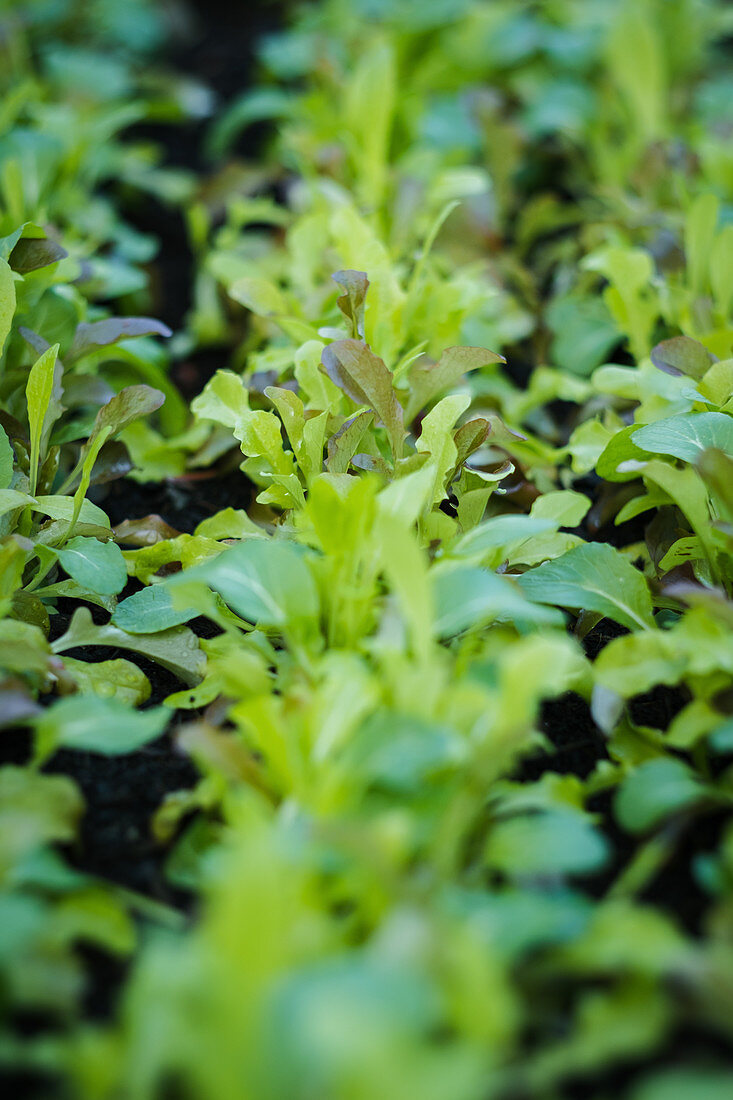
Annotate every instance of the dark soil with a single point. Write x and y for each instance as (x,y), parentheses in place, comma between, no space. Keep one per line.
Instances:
(182,502)
(122,793)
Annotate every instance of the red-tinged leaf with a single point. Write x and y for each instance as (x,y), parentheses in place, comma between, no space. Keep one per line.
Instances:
(101,334)
(429,379)
(365,378)
(682,355)
(144,532)
(469,437)
(127,405)
(31,254)
(351,303)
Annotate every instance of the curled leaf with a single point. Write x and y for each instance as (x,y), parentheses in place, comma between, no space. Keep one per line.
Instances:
(31,254)
(351,303)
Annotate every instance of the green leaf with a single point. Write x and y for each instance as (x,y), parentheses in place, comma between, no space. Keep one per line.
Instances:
(620,450)
(716,470)
(564,506)
(43,396)
(402,752)
(267,582)
(583,333)
(466,597)
(369,108)
(7,302)
(501,531)
(363,376)
(552,842)
(11,499)
(58,507)
(687,436)
(721,739)
(436,438)
(150,610)
(229,523)
(176,649)
(7,458)
(721,270)
(259,295)
(594,577)
(88,723)
(114,679)
(700,224)
(655,791)
(126,406)
(35,809)
(96,566)
(224,399)
(685,1083)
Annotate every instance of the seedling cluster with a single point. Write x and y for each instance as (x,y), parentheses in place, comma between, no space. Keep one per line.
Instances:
(439,644)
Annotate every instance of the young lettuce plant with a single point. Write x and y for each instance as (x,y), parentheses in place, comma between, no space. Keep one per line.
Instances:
(353,412)
(59,435)
(681,459)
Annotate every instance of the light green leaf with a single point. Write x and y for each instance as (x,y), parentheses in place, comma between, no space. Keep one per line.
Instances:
(564,506)
(700,224)
(594,577)
(343,445)
(436,438)
(96,566)
(44,406)
(34,810)
(224,399)
(58,507)
(229,523)
(176,649)
(267,582)
(655,791)
(150,610)
(7,301)
(687,436)
(259,295)
(501,531)
(683,1083)
(721,270)
(402,753)
(7,457)
(88,723)
(12,499)
(466,597)
(117,678)
(553,842)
